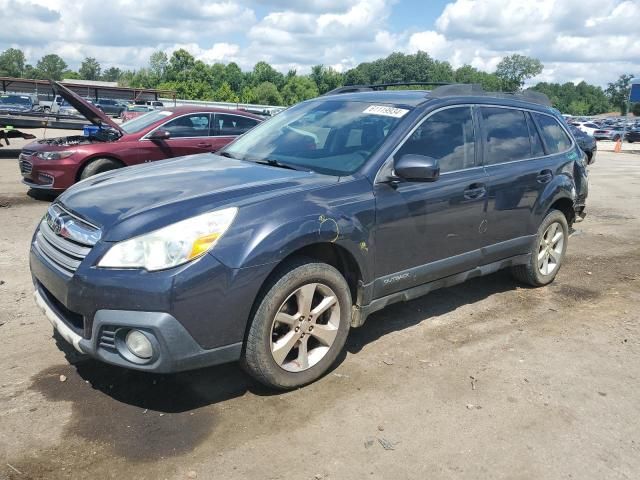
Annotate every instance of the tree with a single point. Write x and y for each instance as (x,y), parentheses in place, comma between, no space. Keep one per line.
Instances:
(267,94)
(263,72)
(111,74)
(71,74)
(469,74)
(226,94)
(51,67)
(234,76)
(180,63)
(326,78)
(635,109)
(12,63)
(580,99)
(298,89)
(618,92)
(515,69)
(90,69)
(158,63)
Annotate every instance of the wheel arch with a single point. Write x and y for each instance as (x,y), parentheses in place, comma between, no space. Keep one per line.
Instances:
(97,156)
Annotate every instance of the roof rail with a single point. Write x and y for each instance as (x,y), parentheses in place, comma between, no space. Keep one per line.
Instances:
(379,86)
(446,89)
(476,90)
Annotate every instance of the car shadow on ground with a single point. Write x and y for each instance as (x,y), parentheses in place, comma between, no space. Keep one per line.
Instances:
(186,391)
(42,195)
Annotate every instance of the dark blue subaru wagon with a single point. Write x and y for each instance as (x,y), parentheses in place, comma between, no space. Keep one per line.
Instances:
(271,250)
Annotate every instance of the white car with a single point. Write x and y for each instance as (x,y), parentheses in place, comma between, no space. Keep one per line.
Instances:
(586,127)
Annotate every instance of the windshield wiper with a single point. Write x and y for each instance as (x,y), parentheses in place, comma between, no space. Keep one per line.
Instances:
(275,163)
(226,154)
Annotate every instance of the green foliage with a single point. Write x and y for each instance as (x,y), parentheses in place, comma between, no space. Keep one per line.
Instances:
(226,94)
(71,75)
(298,89)
(580,99)
(326,78)
(515,69)
(111,74)
(267,94)
(89,69)
(618,92)
(193,79)
(50,67)
(635,109)
(12,63)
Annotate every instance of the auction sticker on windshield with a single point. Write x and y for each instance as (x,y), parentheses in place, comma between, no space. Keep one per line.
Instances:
(386,111)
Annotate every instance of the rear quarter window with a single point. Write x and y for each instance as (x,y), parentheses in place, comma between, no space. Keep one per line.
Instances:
(555,138)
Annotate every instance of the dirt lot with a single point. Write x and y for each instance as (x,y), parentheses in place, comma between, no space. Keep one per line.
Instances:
(484,380)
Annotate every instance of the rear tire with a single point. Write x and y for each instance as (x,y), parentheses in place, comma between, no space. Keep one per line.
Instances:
(99,165)
(300,324)
(547,251)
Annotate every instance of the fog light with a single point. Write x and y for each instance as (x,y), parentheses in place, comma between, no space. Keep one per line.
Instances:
(138,344)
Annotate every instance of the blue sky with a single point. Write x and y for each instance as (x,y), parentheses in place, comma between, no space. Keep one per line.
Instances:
(592,40)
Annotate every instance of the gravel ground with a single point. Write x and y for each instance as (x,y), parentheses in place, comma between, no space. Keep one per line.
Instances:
(484,380)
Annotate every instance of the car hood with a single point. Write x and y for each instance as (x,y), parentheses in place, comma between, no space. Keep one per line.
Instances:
(135,200)
(87,110)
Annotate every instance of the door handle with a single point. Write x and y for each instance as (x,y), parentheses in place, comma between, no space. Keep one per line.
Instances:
(544,176)
(475,191)
(204,145)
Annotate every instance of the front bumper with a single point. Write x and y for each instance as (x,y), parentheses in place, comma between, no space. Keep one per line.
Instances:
(56,175)
(194,315)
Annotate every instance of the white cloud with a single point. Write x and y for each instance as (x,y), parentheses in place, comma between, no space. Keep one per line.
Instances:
(595,40)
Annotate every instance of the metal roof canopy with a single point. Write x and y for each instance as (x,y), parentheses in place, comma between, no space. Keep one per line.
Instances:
(94,92)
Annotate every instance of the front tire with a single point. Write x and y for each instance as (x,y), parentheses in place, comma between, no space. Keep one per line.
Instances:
(547,252)
(99,165)
(300,324)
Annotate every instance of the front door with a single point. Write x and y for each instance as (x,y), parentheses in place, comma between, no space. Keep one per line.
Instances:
(190,134)
(427,231)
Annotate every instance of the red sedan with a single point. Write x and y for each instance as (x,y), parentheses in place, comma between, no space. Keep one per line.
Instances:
(57,163)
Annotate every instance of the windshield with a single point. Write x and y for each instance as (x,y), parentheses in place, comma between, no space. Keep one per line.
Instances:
(15,100)
(331,136)
(137,108)
(143,121)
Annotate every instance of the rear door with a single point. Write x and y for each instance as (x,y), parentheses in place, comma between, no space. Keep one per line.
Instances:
(518,169)
(429,230)
(227,127)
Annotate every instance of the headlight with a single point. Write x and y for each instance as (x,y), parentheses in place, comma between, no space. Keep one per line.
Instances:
(54,155)
(173,245)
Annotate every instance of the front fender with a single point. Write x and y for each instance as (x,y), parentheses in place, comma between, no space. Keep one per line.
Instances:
(267,233)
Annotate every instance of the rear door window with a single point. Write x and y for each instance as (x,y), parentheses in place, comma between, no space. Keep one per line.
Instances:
(555,138)
(447,136)
(233,124)
(506,135)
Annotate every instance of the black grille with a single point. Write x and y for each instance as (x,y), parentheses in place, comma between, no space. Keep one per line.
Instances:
(71,318)
(64,239)
(108,337)
(25,167)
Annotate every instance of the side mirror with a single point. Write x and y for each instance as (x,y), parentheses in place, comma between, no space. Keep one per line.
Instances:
(160,134)
(417,168)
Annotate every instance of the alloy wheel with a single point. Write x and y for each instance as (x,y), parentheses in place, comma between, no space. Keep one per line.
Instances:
(550,249)
(305,327)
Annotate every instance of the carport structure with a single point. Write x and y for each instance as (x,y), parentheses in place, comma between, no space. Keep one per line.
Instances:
(89,89)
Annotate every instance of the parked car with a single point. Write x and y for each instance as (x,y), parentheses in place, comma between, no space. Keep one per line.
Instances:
(586,142)
(608,133)
(586,127)
(109,106)
(65,108)
(269,252)
(151,103)
(57,163)
(15,103)
(633,135)
(133,111)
